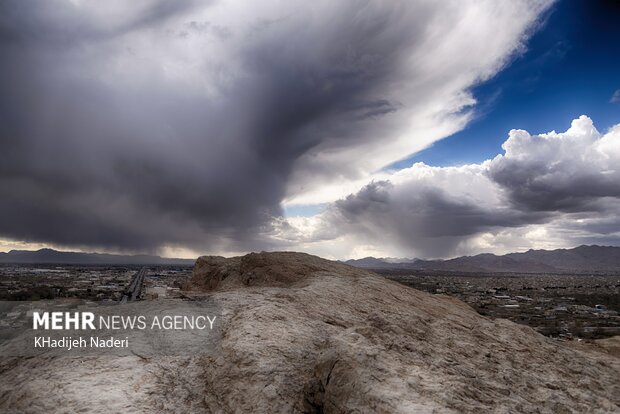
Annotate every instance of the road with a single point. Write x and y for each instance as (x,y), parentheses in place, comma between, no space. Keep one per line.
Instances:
(135,286)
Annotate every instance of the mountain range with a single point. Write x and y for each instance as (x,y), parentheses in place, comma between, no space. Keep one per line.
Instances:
(579,259)
(50,256)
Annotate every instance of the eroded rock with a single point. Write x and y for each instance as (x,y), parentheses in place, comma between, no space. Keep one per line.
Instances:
(304,334)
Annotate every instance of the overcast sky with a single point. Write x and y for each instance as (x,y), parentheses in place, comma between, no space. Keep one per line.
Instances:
(192,127)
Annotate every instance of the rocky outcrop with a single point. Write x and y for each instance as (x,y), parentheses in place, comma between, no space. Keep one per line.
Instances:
(302,334)
(281,269)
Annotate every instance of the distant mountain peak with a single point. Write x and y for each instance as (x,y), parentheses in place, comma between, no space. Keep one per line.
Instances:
(51,256)
(584,258)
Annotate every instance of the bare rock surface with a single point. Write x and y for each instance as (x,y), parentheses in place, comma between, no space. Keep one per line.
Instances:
(281,269)
(300,334)
(304,334)
(141,380)
(610,345)
(106,384)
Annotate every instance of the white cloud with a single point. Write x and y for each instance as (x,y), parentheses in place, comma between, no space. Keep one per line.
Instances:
(546,191)
(429,92)
(570,171)
(615,97)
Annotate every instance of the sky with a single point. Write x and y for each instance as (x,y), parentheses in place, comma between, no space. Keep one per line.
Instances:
(345,129)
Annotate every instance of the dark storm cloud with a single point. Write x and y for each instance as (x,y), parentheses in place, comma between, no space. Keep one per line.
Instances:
(85,162)
(427,212)
(58,23)
(426,219)
(117,131)
(539,187)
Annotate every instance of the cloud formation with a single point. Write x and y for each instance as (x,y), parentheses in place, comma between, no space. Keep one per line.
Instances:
(568,172)
(137,125)
(548,190)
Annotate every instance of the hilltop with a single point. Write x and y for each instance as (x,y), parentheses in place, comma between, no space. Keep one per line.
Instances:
(304,334)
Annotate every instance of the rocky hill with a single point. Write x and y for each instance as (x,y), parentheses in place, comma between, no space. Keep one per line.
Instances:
(299,334)
(582,259)
(303,334)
